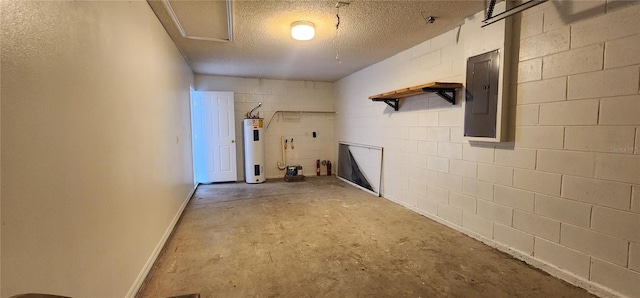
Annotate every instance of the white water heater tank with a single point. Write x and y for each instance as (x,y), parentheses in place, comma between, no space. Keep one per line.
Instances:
(254,150)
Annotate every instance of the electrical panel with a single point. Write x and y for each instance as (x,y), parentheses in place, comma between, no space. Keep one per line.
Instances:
(481,100)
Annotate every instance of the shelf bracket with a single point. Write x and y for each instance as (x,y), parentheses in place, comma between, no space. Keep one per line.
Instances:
(448,94)
(392,102)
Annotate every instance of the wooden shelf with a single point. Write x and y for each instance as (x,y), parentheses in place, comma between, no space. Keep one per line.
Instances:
(445,90)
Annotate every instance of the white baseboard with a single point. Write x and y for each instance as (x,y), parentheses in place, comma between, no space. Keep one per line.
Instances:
(569,277)
(154,255)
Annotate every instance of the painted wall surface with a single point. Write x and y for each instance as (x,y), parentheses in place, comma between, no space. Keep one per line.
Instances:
(564,193)
(282,95)
(96,155)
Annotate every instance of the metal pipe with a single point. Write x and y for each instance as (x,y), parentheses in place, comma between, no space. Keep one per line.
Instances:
(251,112)
(512,11)
(307,112)
(284,160)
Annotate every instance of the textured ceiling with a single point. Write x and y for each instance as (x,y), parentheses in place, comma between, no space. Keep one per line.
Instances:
(262,47)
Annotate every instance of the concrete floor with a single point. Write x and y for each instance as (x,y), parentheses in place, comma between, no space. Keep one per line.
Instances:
(325,238)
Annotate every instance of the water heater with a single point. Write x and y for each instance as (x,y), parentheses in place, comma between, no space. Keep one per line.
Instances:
(253,150)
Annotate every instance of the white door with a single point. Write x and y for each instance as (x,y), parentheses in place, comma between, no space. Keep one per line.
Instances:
(214,136)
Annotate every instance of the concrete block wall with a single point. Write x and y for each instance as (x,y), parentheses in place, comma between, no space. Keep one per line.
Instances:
(564,192)
(282,95)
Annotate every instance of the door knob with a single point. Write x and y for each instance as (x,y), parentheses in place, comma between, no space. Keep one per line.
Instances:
(233,141)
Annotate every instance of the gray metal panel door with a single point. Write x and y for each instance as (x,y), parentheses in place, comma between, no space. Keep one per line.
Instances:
(482,95)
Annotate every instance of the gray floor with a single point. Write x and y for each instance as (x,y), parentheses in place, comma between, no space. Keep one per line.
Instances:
(325,238)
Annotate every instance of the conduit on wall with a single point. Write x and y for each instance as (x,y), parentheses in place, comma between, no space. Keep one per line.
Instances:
(300,112)
(490,19)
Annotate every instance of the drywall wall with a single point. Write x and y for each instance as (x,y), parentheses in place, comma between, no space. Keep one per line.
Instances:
(564,193)
(96,158)
(282,95)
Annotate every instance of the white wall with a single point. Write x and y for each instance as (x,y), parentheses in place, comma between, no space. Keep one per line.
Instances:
(564,194)
(282,95)
(96,158)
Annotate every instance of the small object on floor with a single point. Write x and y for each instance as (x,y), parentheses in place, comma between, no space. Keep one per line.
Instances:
(297,178)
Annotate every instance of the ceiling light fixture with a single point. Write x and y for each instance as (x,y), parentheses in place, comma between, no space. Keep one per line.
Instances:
(302,30)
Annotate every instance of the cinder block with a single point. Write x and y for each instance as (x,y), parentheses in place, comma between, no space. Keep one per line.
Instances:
(564,210)
(446,39)
(513,238)
(636,150)
(531,24)
(436,103)
(417,160)
(543,137)
(427,205)
(620,23)
(449,213)
(439,164)
(440,134)
(542,91)
(495,212)
(451,182)
(479,189)
(610,82)
(611,276)
(598,192)
(417,187)
(410,146)
(421,49)
(635,206)
(536,225)
(438,194)
(575,61)
(622,224)
(451,118)
(414,173)
(477,153)
(595,244)
(418,133)
(618,167)
(410,198)
(600,138)
(477,224)
(536,181)
(544,44)
(565,13)
(567,162)
(463,202)
(463,168)
(517,157)
(622,52)
(563,257)
(530,70)
(622,110)
(450,150)
(613,5)
(428,148)
(634,257)
(513,197)
(453,54)
(538,8)
(392,132)
(582,112)
(456,135)
(496,174)
(527,115)
(428,119)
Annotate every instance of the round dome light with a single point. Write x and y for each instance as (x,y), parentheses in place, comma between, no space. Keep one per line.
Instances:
(302,30)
